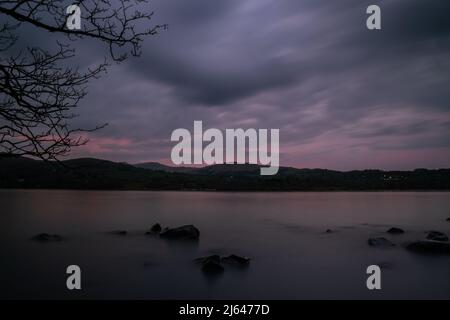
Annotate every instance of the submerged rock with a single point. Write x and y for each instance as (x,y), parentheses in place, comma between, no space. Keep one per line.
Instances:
(448,219)
(45,237)
(437,236)
(395,230)
(156,228)
(214,264)
(213,258)
(380,242)
(188,232)
(429,247)
(119,232)
(236,260)
(329,231)
(212,267)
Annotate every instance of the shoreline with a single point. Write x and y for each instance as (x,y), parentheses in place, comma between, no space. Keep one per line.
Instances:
(235,191)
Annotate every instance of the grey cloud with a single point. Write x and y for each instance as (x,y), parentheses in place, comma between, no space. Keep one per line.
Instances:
(308,67)
(334,44)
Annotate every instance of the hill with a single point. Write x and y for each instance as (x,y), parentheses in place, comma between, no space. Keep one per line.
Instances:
(156,166)
(89,173)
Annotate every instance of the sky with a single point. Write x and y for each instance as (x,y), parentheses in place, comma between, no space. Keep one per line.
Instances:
(342,96)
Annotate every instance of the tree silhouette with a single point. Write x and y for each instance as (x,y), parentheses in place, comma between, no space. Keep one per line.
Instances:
(38,92)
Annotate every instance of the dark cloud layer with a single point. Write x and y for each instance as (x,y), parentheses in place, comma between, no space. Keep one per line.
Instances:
(342,96)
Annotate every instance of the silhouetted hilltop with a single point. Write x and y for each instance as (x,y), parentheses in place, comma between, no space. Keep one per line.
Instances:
(156,166)
(217,169)
(88,173)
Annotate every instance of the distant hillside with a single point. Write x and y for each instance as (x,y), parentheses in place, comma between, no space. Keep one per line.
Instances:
(208,170)
(156,166)
(87,173)
(217,169)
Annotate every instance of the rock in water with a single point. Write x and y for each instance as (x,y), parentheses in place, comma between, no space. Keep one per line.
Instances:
(45,237)
(213,258)
(329,231)
(380,242)
(119,232)
(429,247)
(212,267)
(437,236)
(448,219)
(156,228)
(395,231)
(188,232)
(236,260)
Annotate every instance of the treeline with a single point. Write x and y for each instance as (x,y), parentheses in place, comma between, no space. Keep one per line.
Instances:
(24,173)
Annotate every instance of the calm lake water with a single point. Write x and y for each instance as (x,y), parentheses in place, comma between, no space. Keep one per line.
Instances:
(283,233)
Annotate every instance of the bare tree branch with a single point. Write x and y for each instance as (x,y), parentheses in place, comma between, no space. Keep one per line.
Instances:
(38,94)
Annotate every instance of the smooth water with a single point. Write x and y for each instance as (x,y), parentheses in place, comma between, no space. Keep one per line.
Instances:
(283,233)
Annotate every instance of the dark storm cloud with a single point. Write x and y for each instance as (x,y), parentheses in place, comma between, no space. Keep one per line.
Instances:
(418,19)
(341,95)
(221,54)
